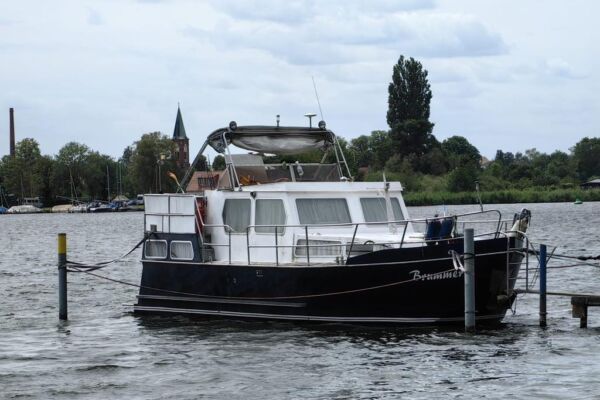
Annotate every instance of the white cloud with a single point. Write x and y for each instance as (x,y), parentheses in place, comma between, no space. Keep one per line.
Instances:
(358,37)
(302,11)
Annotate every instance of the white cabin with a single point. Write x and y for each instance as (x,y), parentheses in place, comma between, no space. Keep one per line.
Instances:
(272,223)
(284,213)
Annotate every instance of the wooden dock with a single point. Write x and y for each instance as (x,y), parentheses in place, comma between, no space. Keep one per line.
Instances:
(580,306)
(579,302)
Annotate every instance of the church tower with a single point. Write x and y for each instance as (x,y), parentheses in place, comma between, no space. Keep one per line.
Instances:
(182,153)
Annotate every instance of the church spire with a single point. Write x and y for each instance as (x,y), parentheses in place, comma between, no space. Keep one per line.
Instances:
(179,131)
(182,154)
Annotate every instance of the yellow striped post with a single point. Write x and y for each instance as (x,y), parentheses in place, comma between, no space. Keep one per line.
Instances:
(62,276)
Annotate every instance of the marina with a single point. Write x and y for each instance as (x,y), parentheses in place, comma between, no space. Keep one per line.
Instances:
(112,351)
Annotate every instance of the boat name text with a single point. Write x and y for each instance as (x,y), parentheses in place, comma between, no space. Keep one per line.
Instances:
(417,276)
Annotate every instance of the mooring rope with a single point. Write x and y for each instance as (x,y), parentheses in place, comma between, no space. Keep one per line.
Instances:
(307,296)
(103,264)
(565,257)
(580,258)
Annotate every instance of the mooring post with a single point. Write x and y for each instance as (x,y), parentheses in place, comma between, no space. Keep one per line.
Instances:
(543,285)
(62,276)
(469,252)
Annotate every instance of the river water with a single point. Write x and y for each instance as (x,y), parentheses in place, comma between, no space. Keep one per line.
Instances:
(104,351)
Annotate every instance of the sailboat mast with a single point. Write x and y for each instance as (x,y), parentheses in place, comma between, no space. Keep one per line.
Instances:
(107,183)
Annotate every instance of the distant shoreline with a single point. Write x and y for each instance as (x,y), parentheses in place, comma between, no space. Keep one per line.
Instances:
(509,196)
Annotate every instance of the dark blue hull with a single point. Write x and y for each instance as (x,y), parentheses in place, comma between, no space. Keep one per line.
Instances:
(402,286)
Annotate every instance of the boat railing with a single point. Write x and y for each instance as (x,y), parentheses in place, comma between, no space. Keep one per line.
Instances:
(303,230)
(227,229)
(308,246)
(530,273)
(346,248)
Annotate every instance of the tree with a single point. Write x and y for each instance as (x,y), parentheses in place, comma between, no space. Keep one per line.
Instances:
(152,149)
(409,98)
(363,156)
(586,155)
(21,172)
(560,165)
(409,92)
(45,171)
(380,144)
(459,151)
(69,174)
(100,171)
(462,178)
(414,136)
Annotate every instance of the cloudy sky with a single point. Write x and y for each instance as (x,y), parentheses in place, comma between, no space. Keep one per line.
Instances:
(508,75)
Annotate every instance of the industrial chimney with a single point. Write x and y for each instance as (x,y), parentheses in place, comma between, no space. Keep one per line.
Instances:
(12,132)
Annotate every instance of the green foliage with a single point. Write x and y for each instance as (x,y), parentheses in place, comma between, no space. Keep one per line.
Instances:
(371,151)
(501,197)
(409,93)
(586,155)
(70,172)
(151,160)
(409,98)
(432,162)
(463,178)
(218,163)
(23,174)
(531,169)
(413,136)
(459,151)
(361,150)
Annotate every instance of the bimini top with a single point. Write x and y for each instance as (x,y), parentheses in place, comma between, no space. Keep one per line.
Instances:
(271,139)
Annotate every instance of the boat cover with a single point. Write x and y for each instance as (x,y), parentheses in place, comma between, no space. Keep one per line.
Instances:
(272,139)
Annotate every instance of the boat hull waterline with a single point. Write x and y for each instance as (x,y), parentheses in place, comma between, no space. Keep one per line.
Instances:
(417,285)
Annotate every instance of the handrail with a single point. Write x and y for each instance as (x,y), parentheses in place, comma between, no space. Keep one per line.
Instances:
(349,245)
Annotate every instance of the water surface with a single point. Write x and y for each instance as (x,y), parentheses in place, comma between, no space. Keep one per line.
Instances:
(104,351)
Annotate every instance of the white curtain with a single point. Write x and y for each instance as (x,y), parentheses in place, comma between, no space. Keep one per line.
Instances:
(182,250)
(156,249)
(269,212)
(323,211)
(236,214)
(374,209)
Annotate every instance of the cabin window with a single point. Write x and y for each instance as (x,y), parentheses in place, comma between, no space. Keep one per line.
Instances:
(323,211)
(374,209)
(181,250)
(236,214)
(156,249)
(318,248)
(269,212)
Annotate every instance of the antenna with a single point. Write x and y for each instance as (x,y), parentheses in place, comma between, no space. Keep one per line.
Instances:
(310,116)
(317,95)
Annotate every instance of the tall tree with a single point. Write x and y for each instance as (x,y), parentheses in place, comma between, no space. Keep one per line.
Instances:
(409,92)
(408,109)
